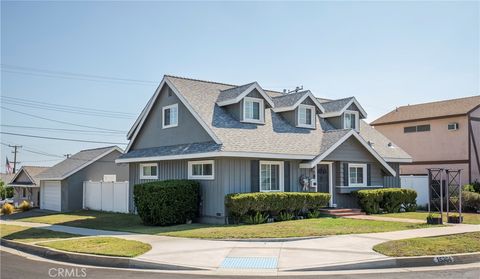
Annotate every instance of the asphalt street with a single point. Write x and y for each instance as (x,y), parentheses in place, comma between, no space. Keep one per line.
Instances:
(15,266)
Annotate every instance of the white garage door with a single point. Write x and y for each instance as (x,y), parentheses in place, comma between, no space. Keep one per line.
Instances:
(51,195)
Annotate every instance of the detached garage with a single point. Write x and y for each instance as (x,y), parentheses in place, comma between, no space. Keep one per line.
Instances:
(62,186)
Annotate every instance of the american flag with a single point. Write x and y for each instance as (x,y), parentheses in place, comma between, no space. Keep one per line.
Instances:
(8,166)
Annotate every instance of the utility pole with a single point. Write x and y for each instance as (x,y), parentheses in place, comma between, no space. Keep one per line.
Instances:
(15,148)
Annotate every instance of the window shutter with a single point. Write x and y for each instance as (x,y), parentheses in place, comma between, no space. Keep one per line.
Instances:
(345,174)
(369,174)
(286,176)
(255,176)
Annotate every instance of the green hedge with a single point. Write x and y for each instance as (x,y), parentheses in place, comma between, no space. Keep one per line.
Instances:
(389,200)
(471,201)
(167,202)
(274,203)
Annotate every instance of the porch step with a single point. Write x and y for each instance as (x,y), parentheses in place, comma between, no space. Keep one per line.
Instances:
(342,211)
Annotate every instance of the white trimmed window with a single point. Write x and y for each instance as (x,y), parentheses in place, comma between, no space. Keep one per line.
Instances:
(357,174)
(149,171)
(201,170)
(271,176)
(350,120)
(306,116)
(253,110)
(170,116)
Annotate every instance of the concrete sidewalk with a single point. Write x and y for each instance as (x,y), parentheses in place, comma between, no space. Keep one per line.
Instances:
(288,255)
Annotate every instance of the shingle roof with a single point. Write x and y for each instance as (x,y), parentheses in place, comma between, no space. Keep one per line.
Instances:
(336,105)
(32,171)
(233,92)
(428,110)
(6,177)
(288,100)
(276,136)
(75,162)
(181,149)
(381,143)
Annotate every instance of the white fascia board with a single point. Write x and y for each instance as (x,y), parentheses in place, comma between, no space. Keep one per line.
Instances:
(184,102)
(255,85)
(312,163)
(23,186)
(217,154)
(18,173)
(115,148)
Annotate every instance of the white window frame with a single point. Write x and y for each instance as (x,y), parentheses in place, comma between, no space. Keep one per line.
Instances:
(280,174)
(301,108)
(357,119)
(261,112)
(142,176)
(163,116)
(453,123)
(201,177)
(364,166)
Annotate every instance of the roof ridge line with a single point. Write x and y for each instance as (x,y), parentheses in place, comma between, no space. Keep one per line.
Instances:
(440,101)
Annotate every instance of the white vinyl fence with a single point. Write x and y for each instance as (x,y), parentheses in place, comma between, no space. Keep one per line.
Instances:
(106,196)
(418,183)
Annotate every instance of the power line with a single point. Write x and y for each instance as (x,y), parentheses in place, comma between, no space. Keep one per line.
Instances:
(104,133)
(70,75)
(22,101)
(58,121)
(64,139)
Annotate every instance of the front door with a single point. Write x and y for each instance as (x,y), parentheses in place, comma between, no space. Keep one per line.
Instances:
(322,178)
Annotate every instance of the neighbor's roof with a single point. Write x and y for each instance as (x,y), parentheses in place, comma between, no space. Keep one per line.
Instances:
(32,172)
(277,136)
(430,110)
(6,177)
(76,162)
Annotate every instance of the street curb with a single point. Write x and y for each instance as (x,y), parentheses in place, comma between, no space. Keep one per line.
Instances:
(401,262)
(86,259)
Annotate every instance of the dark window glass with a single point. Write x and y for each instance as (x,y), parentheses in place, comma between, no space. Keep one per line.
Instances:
(411,129)
(256,110)
(308,119)
(423,128)
(166,117)
(207,169)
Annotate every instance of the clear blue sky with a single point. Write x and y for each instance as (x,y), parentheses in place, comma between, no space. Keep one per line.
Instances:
(386,54)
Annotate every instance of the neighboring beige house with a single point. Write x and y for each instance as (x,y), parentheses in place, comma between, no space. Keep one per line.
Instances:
(444,134)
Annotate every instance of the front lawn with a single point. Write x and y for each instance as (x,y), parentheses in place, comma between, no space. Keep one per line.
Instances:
(299,228)
(107,246)
(468,218)
(438,245)
(29,235)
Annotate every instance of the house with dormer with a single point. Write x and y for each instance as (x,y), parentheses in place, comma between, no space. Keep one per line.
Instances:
(236,139)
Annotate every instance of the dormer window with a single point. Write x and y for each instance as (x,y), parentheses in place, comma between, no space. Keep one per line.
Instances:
(253,110)
(306,116)
(170,116)
(350,120)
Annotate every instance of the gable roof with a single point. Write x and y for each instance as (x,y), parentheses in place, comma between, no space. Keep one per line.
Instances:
(276,138)
(338,107)
(453,107)
(291,101)
(32,172)
(76,162)
(236,94)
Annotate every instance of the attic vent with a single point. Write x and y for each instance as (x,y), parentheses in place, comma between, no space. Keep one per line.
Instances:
(371,143)
(390,145)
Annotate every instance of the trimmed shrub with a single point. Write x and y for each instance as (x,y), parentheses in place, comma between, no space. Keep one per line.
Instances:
(24,206)
(274,204)
(7,209)
(167,202)
(389,200)
(471,201)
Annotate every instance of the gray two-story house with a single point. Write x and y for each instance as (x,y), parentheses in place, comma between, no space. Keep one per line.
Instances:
(235,139)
